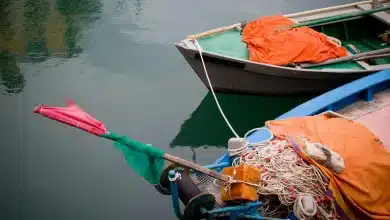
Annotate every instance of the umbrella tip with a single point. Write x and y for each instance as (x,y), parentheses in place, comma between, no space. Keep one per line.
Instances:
(36,109)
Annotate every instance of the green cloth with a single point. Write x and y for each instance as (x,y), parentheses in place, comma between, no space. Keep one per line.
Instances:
(146,160)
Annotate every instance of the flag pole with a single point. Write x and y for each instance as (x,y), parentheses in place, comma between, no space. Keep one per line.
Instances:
(169,157)
(74,116)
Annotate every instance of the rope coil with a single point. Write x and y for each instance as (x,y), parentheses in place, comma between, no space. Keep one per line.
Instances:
(285,174)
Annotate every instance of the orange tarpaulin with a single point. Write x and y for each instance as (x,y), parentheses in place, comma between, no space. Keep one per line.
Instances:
(361,191)
(296,45)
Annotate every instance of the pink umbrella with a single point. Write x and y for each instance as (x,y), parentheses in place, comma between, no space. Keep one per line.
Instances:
(74,116)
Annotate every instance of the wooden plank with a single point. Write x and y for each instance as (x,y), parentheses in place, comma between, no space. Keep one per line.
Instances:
(337,18)
(214,31)
(374,56)
(379,67)
(363,64)
(347,58)
(292,16)
(383,16)
(325,14)
(332,8)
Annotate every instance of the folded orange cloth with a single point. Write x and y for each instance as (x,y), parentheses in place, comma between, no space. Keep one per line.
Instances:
(302,44)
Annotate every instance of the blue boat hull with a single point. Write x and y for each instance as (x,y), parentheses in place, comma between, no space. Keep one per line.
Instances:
(334,100)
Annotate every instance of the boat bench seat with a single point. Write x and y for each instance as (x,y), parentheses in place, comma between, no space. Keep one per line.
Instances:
(383,16)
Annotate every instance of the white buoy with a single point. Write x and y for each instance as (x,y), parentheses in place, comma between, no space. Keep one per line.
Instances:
(237,146)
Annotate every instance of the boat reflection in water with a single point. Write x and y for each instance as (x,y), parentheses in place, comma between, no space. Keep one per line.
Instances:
(206,128)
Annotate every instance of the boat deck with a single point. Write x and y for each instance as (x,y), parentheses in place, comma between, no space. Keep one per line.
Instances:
(375,115)
(365,39)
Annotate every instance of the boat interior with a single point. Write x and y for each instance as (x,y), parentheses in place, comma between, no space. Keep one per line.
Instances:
(359,34)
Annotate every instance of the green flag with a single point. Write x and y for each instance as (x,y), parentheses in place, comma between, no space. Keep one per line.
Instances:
(146,160)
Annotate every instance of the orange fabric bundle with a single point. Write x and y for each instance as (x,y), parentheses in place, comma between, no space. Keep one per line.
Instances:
(295,45)
(361,191)
(241,191)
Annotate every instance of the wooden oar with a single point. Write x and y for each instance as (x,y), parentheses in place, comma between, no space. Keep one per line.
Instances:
(335,18)
(214,31)
(373,57)
(348,58)
(320,10)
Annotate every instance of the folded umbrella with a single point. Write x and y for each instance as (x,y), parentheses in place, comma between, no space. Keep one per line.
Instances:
(145,159)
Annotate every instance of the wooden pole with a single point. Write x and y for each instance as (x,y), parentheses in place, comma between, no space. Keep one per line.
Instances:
(348,58)
(194,166)
(373,57)
(214,31)
(176,160)
(327,9)
(335,18)
(230,27)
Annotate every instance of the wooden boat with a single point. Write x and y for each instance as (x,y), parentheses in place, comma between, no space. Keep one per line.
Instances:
(366,100)
(229,70)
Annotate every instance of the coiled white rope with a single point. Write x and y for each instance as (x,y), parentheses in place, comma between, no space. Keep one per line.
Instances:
(285,174)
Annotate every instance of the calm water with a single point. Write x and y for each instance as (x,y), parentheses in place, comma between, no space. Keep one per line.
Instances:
(116,59)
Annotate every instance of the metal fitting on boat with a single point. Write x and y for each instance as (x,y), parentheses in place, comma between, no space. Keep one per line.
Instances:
(192,197)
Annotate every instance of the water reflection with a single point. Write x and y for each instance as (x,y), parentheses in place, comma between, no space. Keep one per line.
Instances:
(10,75)
(138,7)
(35,30)
(206,128)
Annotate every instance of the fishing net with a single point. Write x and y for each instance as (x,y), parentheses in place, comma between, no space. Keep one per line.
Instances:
(146,160)
(206,184)
(285,177)
(271,207)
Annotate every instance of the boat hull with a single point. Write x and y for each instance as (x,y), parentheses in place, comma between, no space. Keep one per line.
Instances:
(234,76)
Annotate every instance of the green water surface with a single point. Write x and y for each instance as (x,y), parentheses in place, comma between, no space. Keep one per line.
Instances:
(116,59)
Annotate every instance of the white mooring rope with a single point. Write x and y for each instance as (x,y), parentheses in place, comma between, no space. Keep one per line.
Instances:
(221,111)
(212,90)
